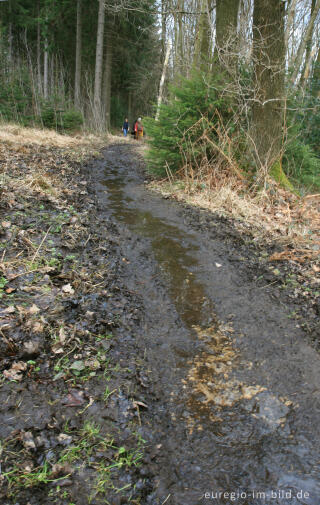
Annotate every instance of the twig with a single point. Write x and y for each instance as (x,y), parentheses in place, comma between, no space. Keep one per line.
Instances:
(89,237)
(23,273)
(165,501)
(37,251)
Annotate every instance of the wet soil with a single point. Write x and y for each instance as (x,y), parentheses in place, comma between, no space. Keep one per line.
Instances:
(182,377)
(236,380)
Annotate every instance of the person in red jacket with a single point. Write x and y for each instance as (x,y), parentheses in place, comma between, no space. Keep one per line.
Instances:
(138,129)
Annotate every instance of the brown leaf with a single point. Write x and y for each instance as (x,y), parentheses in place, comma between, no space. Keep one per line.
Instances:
(67,288)
(58,470)
(34,309)
(15,372)
(9,310)
(37,327)
(74,399)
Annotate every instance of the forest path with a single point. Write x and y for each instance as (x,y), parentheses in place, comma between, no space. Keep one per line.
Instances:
(232,384)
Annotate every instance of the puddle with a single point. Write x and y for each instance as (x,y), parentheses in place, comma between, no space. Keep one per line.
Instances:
(175,260)
(239,435)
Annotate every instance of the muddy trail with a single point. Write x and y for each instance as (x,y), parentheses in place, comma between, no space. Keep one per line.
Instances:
(148,356)
(231,399)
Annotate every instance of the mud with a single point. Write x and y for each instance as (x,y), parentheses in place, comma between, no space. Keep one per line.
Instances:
(212,388)
(249,424)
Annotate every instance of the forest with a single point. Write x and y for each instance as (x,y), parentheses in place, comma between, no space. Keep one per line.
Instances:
(235,82)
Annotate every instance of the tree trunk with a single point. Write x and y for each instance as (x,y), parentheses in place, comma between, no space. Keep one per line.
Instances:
(39,75)
(180,35)
(226,33)
(304,40)
(10,37)
(107,78)
(77,79)
(202,43)
(269,66)
(130,106)
(10,43)
(163,77)
(315,90)
(290,20)
(98,70)
(163,29)
(306,66)
(46,70)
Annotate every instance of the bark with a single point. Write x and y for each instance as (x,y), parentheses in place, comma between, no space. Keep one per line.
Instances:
(316,77)
(163,77)
(290,20)
(304,40)
(39,76)
(107,78)
(10,43)
(130,106)
(202,43)
(269,66)
(163,29)
(46,70)
(77,79)
(180,35)
(98,68)
(226,33)
(306,67)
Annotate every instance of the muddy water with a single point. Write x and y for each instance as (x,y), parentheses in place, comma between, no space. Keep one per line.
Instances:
(237,413)
(173,249)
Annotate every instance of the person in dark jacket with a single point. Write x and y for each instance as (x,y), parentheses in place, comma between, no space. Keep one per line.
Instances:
(133,129)
(125,127)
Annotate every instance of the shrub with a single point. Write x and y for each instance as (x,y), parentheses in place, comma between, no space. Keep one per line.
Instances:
(72,119)
(59,119)
(190,113)
(301,163)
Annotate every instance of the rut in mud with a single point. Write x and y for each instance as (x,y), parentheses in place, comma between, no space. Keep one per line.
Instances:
(235,400)
(145,360)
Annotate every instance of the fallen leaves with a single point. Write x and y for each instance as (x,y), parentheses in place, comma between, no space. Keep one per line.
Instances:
(15,372)
(67,288)
(299,255)
(34,309)
(74,399)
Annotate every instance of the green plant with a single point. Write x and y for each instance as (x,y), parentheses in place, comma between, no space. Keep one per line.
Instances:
(301,163)
(195,109)
(3,282)
(71,119)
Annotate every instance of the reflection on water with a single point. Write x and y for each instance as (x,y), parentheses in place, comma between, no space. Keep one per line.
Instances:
(175,260)
(247,443)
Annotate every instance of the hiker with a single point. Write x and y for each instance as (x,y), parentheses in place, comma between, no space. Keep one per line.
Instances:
(133,129)
(138,128)
(125,127)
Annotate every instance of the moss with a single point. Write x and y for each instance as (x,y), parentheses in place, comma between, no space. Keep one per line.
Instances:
(279,176)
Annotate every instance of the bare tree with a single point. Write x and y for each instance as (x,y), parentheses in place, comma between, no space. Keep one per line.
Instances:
(304,41)
(316,76)
(98,69)
(163,76)
(107,77)
(77,78)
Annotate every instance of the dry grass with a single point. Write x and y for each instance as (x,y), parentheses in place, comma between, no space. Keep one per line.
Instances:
(19,135)
(36,162)
(275,214)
